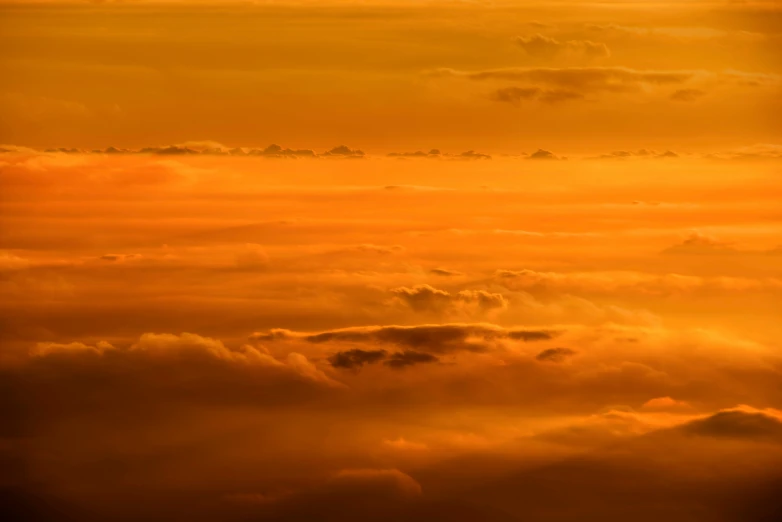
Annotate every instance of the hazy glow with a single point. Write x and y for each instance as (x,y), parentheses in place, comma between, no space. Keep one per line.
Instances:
(541,280)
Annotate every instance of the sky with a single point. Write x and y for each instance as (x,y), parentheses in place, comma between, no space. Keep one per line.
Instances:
(396,261)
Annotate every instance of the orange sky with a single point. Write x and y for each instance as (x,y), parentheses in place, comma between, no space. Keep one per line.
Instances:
(499,76)
(510,261)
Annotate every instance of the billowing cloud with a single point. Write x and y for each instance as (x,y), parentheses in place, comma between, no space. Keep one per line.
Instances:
(427,298)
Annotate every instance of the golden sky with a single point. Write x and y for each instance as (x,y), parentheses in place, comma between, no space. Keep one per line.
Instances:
(509,261)
(497,75)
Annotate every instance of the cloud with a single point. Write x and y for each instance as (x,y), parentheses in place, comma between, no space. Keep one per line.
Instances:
(343,151)
(583,80)
(640,283)
(44,349)
(640,153)
(356,358)
(372,482)
(252,257)
(434,153)
(698,243)
(687,95)
(761,151)
(555,354)
(515,95)
(540,46)
(120,258)
(472,155)
(423,298)
(276,151)
(739,424)
(432,338)
(165,371)
(370,248)
(10,262)
(409,358)
(445,272)
(666,404)
(541,154)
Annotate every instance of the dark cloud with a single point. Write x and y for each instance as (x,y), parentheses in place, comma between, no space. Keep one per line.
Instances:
(120,257)
(435,338)
(276,151)
(472,155)
(173,150)
(434,153)
(640,153)
(737,424)
(541,154)
(163,371)
(409,358)
(445,272)
(555,354)
(356,358)
(343,151)
(515,94)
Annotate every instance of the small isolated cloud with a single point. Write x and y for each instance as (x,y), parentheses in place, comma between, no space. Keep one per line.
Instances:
(687,95)
(370,248)
(472,155)
(556,355)
(276,151)
(640,154)
(698,243)
(445,272)
(432,154)
(666,404)
(120,258)
(252,257)
(344,151)
(542,154)
(540,46)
